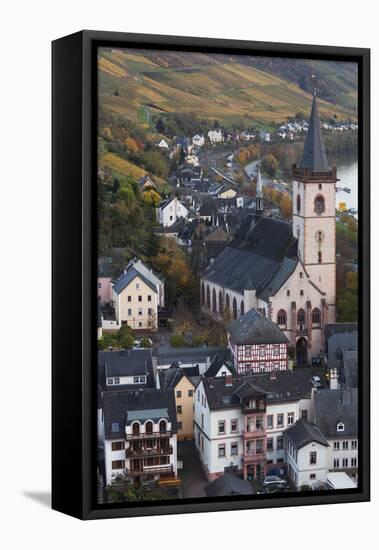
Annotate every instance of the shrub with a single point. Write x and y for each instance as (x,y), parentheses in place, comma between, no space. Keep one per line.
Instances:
(177,341)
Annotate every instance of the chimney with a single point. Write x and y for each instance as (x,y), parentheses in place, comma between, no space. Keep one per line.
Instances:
(228,380)
(273,375)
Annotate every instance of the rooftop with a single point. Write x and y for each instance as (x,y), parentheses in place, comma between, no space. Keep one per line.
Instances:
(254,328)
(332,407)
(303,432)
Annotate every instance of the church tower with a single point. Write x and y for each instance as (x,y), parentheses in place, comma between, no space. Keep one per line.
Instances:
(259,204)
(314,217)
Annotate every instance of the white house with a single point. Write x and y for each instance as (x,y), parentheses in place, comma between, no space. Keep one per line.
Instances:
(136,300)
(335,412)
(215,135)
(162,144)
(198,140)
(170,210)
(232,435)
(306,454)
(150,275)
(140,436)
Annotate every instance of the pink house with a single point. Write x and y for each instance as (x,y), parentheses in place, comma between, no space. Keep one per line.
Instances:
(104,289)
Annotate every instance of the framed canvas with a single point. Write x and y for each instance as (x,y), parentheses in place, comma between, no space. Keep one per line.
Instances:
(211,213)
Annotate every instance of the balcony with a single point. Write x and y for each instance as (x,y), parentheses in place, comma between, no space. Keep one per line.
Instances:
(152,470)
(253,432)
(152,435)
(134,453)
(254,457)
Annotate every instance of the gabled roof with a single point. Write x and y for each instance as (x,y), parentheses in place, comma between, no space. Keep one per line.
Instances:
(227,485)
(248,389)
(129,362)
(170,378)
(149,274)
(126,278)
(148,403)
(219,361)
(303,432)
(254,328)
(314,155)
(332,407)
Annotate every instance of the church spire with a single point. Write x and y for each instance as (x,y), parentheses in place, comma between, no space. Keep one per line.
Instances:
(314,156)
(259,206)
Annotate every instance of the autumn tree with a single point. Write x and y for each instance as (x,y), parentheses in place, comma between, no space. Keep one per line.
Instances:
(270,165)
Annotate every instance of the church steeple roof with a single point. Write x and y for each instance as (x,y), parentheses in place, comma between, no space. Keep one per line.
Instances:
(259,206)
(314,155)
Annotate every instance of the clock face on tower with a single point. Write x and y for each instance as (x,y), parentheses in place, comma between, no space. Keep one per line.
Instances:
(319,236)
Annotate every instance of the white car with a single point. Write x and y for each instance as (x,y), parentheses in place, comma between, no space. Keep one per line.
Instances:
(316,381)
(274,480)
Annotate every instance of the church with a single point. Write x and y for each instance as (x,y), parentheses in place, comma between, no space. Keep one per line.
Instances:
(286,271)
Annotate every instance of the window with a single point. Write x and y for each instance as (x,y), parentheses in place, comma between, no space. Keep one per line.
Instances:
(118,445)
(276,349)
(345,463)
(279,443)
(139,323)
(354,444)
(190,393)
(118,464)
(140,298)
(313,457)
(262,351)
(270,444)
(116,380)
(115,426)
(336,463)
(248,350)
(340,427)
(149,298)
(316,316)
(301,292)
(179,409)
(320,186)
(319,204)
(288,293)
(336,445)
(110,381)
(290,418)
(135,428)
(98,285)
(162,426)
(137,286)
(301,318)
(198,396)
(178,393)
(129,298)
(301,274)
(269,420)
(234,425)
(234,448)
(345,445)
(221,450)
(149,427)
(353,462)
(312,476)
(280,420)
(304,414)
(221,426)
(180,425)
(139,379)
(202,420)
(139,311)
(129,312)
(298,204)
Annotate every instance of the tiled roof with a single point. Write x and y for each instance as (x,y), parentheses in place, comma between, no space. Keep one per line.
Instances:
(126,278)
(227,485)
(254,328)
(303,432)
(332,407)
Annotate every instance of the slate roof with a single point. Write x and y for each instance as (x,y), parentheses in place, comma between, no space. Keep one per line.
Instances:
(263,254)
(125,363)
(337,328)
(314,155)
(117,405)
(227,485)
(254,328)
(149,274)
(303,432)
(170,378)
(339,342)
(334,406)
(167,355)
(126,278)
(287,386)
(349,374)
(218,361)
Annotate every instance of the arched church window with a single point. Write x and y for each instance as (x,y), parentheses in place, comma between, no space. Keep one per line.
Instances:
(319,204)
(227,304)
(282,318)
(214,301)
(242,308)
(298,204)
(208,297)
(234,308)
(220,303)
(316,316)
(202,294)
(301,319)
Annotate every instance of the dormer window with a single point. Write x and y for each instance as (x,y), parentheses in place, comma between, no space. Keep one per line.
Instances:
(115,427)
(340,427)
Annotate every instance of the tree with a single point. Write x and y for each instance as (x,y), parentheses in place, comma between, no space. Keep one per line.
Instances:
(126,194)
(145,343)
(151,197)
(126,342)
(177,341)
(286,206)
(269,165)
(115,187)
(160,126)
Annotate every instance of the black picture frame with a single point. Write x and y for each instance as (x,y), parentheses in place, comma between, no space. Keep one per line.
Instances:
(74,267)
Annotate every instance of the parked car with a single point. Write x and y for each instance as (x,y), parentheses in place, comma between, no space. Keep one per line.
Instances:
(274,480)
(316,381)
